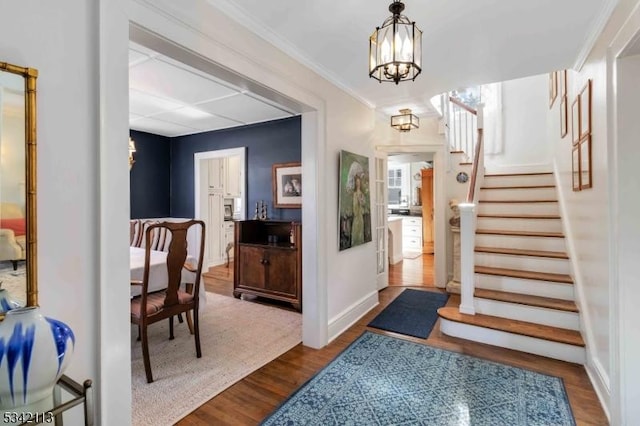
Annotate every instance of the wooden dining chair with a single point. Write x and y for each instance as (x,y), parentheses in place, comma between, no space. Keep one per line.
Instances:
(149,308)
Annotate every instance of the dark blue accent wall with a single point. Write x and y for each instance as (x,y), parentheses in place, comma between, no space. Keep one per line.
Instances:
(267,143)
(150,176)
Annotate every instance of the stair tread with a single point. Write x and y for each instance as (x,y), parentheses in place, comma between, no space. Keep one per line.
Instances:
(522,252)
(520,216)
(526,299)
(518,187)
(553,334)
(517,174)
(518,273)
(518,201)
(520,233)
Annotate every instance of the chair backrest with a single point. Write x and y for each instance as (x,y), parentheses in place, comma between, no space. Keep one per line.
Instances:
(176,248)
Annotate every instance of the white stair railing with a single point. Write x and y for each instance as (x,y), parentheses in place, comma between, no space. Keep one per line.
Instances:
(468,220)
(464,133)
(461,126)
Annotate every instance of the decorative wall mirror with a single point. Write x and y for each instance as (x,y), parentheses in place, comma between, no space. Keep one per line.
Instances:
(18,264)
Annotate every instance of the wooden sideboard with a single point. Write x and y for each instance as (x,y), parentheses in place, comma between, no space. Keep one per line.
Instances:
(268,260)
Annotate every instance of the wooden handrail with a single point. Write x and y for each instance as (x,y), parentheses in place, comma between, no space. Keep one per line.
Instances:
(463,105)
(474,171)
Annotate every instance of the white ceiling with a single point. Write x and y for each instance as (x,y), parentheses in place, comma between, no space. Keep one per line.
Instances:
(170,98)
(465,43)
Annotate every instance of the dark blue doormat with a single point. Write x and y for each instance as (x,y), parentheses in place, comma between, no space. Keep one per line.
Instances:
(413,313)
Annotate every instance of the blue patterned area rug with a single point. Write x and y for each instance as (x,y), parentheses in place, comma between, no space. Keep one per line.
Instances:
(382,380)
(413,312)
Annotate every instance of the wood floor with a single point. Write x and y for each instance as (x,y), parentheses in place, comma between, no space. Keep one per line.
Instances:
(254,397)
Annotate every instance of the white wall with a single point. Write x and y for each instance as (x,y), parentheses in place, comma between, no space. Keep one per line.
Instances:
(590,225)
(61,41)
(525,103)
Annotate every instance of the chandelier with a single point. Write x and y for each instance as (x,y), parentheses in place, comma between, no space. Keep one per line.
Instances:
(395,48)
(405,121)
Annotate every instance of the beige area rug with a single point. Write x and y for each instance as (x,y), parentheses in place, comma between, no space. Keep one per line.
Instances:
(237,338)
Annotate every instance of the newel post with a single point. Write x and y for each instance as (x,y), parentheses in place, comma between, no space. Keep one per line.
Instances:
(467,261)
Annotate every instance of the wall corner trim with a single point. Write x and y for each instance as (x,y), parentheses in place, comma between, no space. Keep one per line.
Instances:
(596,29)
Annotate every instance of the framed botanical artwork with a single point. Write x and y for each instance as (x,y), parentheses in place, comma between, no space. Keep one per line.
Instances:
(354,203)
(562,83)
(585,110)
(575,121)
(585,162)
(553,88)
(563,116)
(575,168)
(287,185)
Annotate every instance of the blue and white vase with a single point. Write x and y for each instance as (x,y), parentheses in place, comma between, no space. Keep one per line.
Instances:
(34,352)
(6,302)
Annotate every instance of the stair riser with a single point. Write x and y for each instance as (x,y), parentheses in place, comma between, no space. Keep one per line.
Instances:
(532,180)
(517,242)
(509,224)
(544,316)
(518,194)
(523,263)
(525,286)
(518,208)
(561,351)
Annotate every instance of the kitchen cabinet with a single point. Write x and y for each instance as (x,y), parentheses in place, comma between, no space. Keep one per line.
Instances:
(216,169)
(268,260)
(232,178)
(412,233)
(225,176)
(214,246)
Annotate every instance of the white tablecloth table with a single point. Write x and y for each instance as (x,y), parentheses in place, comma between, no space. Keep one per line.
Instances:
(158,278)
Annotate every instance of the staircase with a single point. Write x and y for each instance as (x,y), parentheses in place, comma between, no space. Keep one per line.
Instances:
(524,296)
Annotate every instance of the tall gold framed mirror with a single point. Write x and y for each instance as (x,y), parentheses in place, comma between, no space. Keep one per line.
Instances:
(18,228)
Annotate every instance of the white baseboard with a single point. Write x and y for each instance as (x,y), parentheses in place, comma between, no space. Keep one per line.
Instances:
(395,259)
(600,381)
(348,317)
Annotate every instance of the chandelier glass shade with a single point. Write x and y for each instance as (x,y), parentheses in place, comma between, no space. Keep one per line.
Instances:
(405,121)
(395,48)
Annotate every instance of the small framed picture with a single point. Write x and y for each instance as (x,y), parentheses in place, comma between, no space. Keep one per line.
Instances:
(575,121)
(585,162)
(563,116)
(553,88)
(575,168)
(585,110)
(562,82)
(287,185)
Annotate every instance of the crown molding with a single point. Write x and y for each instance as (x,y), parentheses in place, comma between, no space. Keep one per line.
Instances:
(602,18)
(241,17)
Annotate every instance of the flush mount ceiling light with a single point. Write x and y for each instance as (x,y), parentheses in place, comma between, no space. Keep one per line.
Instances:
(405,121)
(395,48)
